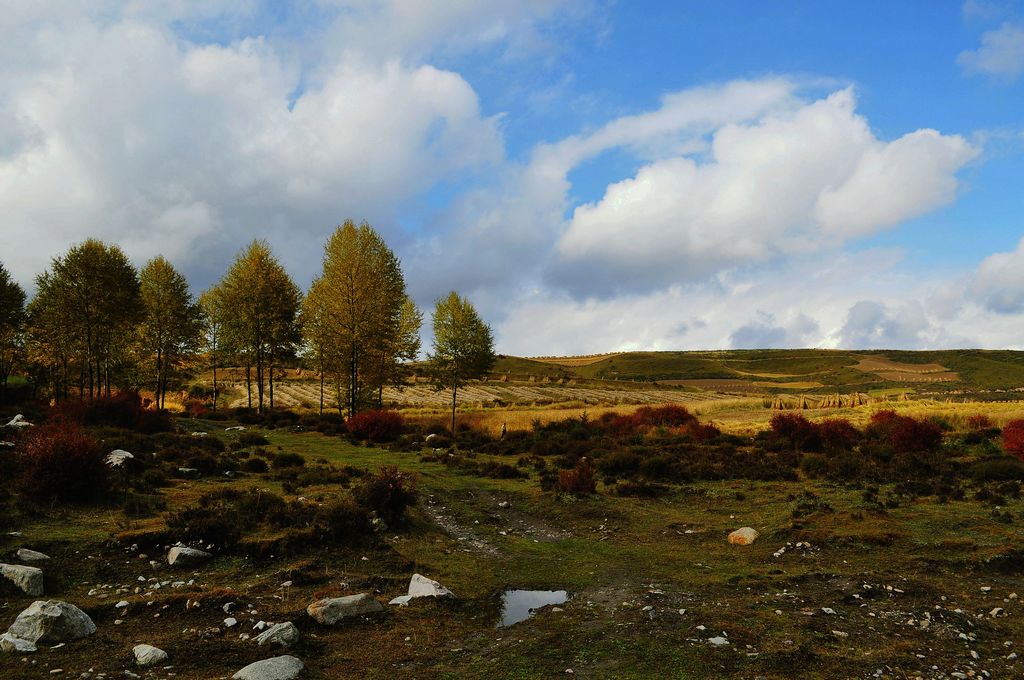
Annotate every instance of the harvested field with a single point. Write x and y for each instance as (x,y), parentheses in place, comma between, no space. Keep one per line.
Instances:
(742,386)
(582,360)
(905,372)
(306,395)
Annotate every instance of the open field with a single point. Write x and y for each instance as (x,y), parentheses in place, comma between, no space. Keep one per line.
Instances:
(846,581)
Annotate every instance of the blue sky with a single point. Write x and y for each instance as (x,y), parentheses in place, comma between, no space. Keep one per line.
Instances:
(595,175)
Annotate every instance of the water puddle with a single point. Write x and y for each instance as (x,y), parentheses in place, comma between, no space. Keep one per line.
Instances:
(519,605)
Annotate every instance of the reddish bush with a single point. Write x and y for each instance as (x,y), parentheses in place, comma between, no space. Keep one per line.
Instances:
(124,409)
(647,417)
(376,426)
(838,434)
(979,422)
(903,433)
(387,492)
(1013,438)
(802,434)
(62,463)
(579,480)
(703,433)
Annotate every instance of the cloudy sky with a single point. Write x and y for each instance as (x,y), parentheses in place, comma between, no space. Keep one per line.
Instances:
(595,175)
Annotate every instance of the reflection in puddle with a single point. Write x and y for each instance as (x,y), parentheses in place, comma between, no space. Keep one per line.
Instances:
(519,605)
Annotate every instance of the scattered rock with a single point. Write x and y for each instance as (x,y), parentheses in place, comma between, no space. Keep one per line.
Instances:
(744,536)
(718,641)
(148,655)
(284,634)
(18,422)
(421,586)
(278,668)
(11,644)
(184,556)
(28,579)
(401,600)
(332,610)
(26,555)
(230,622)
(236,428)
(117,457)
(52,621)
(189,473)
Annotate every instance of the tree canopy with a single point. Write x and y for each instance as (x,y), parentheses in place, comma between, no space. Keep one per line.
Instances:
(463,347)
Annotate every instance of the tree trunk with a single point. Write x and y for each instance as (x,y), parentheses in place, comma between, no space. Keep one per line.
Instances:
(455,390)
(248,382)
(215,382)
(321,389)
(259,380)
(271,385)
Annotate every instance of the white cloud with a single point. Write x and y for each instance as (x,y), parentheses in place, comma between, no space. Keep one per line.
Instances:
(789,182)
(998,283)
(128,133)
(1001,54)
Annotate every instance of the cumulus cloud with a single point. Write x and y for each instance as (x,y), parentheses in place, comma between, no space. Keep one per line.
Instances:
(787,183)
(767,333)
(1000,55)
(998,282)
(129,133)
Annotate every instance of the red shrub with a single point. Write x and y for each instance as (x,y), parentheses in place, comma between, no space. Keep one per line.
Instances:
(838,434)
(1013,438)
(703,433)
(123,409)
(647,417)
(62,463)
(801,433)
(376,426)
(579,480)
(979,422)
(903,433)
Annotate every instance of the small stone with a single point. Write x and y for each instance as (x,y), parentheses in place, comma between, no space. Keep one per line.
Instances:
(283,634)
(28,579)
(278,668)
(718,641)
(332,610)
(230,622)
(26,555)
(744,536)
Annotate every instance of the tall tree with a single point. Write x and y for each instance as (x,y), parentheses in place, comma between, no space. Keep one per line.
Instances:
(171,322)
(89,303)
(363,293)
(212,306)
(316,332)
(463,346)
(12,325)
(261,303)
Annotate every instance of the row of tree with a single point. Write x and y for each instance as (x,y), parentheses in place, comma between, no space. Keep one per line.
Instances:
(96,323)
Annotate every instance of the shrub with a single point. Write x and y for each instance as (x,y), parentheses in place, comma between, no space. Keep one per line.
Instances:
(904,434)
(388,492)
(838,434)
(376,426)
(640,489)
(979,421)
(579,480)
(342,522)
(618,463)
(216,525)
(123,409)
(1001,468)
(800,433)
(254,465)
(287,460)
(247,439)
(62,463)
(1013,438)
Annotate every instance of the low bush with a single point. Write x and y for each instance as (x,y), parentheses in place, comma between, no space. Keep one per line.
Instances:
(796,431)
(904,434)
(1013,438)
(388,492)
(838,434)
(247,439)
(287,460)
(62,463)
(1000,468)
(376,426)
(581,479)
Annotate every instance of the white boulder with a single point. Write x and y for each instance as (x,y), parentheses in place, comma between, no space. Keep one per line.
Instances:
(744,536)
(28,579)
(283,634)
(278,668)
(332,610)
(421,586)
(148,655)
(26,555)
(183,556)
(117,457)
(18,422)
(52,621)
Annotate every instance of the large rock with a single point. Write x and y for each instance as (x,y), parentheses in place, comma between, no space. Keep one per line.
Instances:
(334,609)
(18,422)
(29,579)
(26,555)
(52,621)
(421,586)
(278,668)
(148,655)
(117,457)
(182,556)
(284,634)
(743,536)
(11,645)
